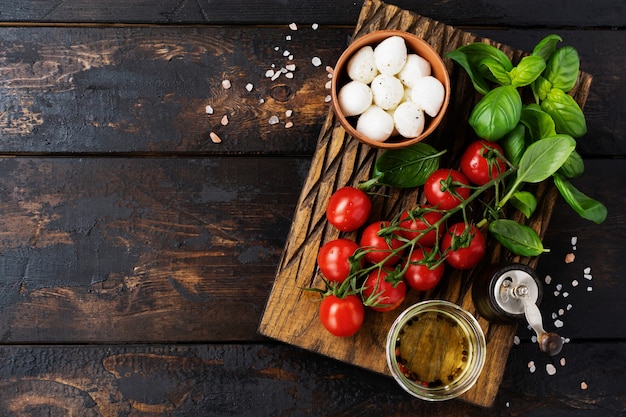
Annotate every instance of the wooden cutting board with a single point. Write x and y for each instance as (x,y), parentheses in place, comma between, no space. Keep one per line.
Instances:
(291,315)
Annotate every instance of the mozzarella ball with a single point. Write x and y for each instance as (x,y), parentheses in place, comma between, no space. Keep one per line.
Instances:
(354,98)
(390,55)
(376,124)
(409,120)
(387,91)
(415,68)
(362,66)
(428,93)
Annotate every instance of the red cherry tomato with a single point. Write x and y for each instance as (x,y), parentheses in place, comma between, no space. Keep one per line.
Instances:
(480,163)
(463,247)
(378,248)
(419,275)
(342,317)
(440,191)
(333,259)
(416,222)
(385,293)
(348,209)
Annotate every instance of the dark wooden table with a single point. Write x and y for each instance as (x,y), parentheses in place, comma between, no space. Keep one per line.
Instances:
(137,255)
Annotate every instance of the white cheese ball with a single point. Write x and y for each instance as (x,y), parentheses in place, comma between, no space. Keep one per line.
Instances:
(415,68)
(390,55)
(354,98)
(387,91)
(428,93)
(362,66)
(376,124)
(409,120)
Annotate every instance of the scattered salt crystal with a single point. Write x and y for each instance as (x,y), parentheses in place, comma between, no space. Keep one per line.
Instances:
(261,100)
(314,26)
(533,339)
(288,37)
(277,48)
(249,87)
(565,294)
(215,138)
(588,276)
(554,315)
(569,307)
(574,240)
(558,323)
(531,367)
(290,57)
(224,120)
(589,289)
(330,70)
(226,84)
(550,369)
(288,125)
(293,26)
(559,287)
(286,53)
(316,61)
(562,361)
(276,75)
(548,279)
(328,85)
(208,110)
(288,113)
(566,340)
(587,270)
(561,311)
(575,283)
(556,293)
(507,404)
(330,76)
(289,75)
(273,120)
(290,67)
(327,99)
(583,385)
(516,340)
(269,73)
(569,258)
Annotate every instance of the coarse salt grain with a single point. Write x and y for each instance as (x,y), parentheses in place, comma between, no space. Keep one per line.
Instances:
(587,270)
(516,340)
(286,53)
(589,289)
(290,67)
(550,369)
(269,73)
(288,125)
(327,99)
(293,26)
(215,138)
(548,279)
(249,87)
(561,311)
(565,294)
(330,70)
(224,120)
(562,361)
(273,120)
(569,258)
(575,283)
(289,75)
(574,240)
(558,323)
(556,293)
(569,307)
(328,85)
(275,75)
(314,26)
(208,110)
(226,84)
(288,113)
(583,385)
(559,287)
(316,61)
(288,37)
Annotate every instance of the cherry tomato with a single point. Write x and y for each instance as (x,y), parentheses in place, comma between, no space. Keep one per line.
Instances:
(385,292)
(378,248)
(463,247)
(417,221)
(441,193)
(348,209)
(333,259)
(342,317)
(480,163)
(418,275)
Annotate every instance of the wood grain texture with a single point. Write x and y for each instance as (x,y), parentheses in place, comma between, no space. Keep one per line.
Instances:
(341,160)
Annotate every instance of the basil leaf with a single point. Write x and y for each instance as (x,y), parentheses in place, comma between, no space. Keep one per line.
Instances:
(562,68)
(524,202)
(546,47)
(585,206)
(470,58)
(514,144)
(541,88)
(406,167)
(567,115)
(518,238)
(479,82)
(527,71)
(497,113)
(573,167)
(544,157)
(539,123)
(493,70)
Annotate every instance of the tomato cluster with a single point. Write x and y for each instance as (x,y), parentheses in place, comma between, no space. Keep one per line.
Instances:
(408,252)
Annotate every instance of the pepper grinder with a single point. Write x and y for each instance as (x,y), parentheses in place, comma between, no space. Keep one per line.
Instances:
(512,291)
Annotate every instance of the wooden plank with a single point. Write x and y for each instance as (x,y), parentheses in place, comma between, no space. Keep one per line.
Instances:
(140,249)
(341,12)
(85,90)
(279,380)
(341,160)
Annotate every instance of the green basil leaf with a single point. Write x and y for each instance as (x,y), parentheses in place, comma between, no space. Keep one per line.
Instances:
(479,82)
(541,88)
(493,70)
(527,71)
(567,115)
(518,238)
(585,206)
(514,144)
(524,202)
(546,47)
(573,167)
(544,157)
(497,113)
(562,68)
(539,123)
(406,167)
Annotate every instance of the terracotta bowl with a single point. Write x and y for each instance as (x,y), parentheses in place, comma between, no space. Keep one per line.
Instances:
(414,45)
